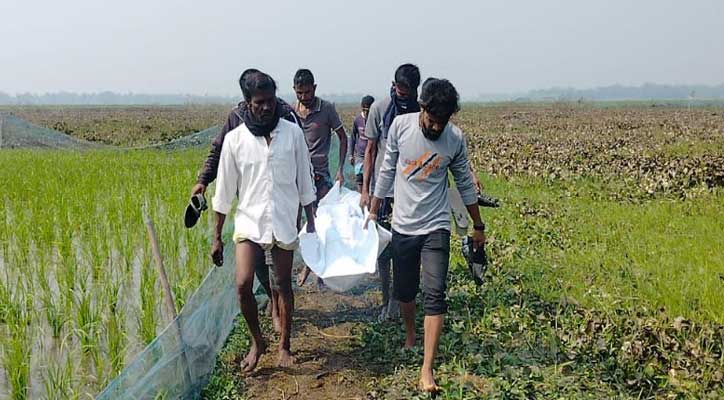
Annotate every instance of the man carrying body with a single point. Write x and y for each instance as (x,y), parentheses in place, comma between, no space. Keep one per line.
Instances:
(319,119)
(209,171)
(265,163)
(421,148)
(358,141)
(402,100)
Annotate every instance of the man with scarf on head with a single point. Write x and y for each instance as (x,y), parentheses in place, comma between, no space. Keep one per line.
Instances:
(421,148)
(211,165)
(402,100)
(265,163)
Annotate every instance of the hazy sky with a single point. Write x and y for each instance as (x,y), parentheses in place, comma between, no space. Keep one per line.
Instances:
(200,47)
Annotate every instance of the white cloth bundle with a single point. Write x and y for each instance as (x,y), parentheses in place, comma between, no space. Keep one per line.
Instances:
(342,252)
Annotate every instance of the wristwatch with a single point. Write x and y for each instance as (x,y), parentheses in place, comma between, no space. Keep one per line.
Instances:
(480,227)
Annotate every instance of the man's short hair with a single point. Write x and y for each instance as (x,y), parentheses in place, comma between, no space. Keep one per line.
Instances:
(367,101)
(408,75)
(439,98)
(303,77)
(257,82)
(243,77)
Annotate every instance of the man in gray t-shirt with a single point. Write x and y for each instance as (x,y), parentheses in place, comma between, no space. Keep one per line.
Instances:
(421,149)
(318,119)
(402,100)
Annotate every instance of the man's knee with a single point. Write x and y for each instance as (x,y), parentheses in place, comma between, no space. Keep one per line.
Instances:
(404,293)
(282,284)
(434,301)
(244,289)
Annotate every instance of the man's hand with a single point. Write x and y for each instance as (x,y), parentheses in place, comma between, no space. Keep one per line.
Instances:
(364,200)
(198,188)
(311,228)
(340,179)
(370,217)
(478,239)
(217,252)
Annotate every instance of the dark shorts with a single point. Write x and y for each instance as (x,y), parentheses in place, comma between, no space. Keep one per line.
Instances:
(322,182)
(433,252)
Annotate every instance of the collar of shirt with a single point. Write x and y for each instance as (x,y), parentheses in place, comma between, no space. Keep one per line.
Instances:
(316,107)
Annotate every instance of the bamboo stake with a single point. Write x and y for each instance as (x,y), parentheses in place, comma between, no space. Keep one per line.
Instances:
(168,295)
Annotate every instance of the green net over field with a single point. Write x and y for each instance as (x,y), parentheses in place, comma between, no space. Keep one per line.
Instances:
(18,133)
(178,363)
(201,138)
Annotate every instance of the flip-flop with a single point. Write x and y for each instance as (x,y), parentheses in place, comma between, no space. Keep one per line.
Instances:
(197,204)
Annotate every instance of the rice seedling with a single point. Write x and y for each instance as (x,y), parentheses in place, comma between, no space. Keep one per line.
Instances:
(87,317)
(17,345)
(58,379)
(116,340)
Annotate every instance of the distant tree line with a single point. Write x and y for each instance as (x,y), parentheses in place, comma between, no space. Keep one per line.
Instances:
(110,98)
(648,91)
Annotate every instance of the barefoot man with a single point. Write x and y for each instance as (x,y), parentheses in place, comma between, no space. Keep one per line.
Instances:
(211,165)
(265,163)
(402,100)
(319,119)
(421,148)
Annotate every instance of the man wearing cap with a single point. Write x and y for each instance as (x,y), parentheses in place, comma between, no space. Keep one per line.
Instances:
(318,119)
(421,148)
(265,164)
(358,140)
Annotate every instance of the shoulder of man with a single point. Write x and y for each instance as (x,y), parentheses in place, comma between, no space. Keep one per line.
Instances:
(408,119)
(325,105)
(455,131)
(236,134)
(286,107)
(380,106)
(234,118)
(290,126)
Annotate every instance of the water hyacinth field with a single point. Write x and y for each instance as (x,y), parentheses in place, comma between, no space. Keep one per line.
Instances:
(606,275)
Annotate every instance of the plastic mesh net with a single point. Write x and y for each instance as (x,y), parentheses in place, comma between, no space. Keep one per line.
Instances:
(18,133)
(178,363)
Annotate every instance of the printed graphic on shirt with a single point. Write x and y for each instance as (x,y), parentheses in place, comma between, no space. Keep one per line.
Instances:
(422,167)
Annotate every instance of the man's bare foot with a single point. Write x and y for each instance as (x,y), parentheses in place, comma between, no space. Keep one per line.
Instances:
(286,359)
(252,358)
(302,277)
(427,383)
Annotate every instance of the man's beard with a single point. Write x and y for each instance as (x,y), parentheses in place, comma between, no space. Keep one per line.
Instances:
(430,134)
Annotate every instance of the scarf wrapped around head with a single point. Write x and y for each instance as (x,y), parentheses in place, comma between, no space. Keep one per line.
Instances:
(397,107)
(256,127)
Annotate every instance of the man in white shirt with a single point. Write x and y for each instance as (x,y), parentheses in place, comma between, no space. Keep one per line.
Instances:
(265,163)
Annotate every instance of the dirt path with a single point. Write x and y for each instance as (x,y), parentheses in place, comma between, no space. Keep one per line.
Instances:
(324,342)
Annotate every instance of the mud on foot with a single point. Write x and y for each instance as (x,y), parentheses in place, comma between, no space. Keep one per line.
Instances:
(249,362)
(286,359)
